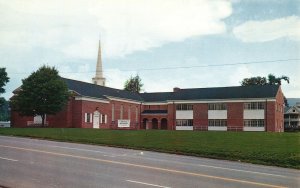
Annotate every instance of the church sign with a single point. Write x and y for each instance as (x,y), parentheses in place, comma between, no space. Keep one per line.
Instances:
(123,123)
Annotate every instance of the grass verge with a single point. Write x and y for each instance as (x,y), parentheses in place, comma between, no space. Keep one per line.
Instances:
(276,149)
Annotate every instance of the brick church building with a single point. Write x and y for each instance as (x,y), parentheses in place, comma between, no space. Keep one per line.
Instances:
(93,105)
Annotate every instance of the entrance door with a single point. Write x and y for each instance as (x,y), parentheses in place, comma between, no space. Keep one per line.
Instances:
(96,118)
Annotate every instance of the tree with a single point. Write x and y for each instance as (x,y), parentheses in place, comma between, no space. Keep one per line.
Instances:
(3,80)
(272,80)
(133,84)
(254,81)
(43,92)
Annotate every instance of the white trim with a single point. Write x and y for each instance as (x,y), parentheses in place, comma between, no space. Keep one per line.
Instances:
(217,114)
(290,111)
(83,98)
(184,114)
(220,101)
(122,100)
(254,114)
(184,128)
(85,117)
(254,128)
(155,103)
(105,119)
(217,128)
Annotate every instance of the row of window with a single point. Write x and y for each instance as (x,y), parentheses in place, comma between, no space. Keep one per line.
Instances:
(217,106)
(88,118)
(122,112)
(223,106)
(254,105)
(222,122)
(184,107)
(254,123)
(184,122)
(217,123)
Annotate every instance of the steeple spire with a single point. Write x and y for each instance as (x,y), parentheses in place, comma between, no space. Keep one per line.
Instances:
(99,79)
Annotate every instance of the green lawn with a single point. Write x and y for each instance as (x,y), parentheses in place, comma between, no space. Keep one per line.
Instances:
(278,149)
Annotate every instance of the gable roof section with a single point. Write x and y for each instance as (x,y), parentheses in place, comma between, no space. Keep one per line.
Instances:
(236,92)
(290,110)
(156,97)
(96,91)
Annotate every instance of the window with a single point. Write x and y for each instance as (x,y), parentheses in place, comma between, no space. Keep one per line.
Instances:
(184,107)
(184,122)
(121,112)
(113,112)
(217,106)
(88,117)
(254,123)
(136,114)
(129,111)
(103,118)
(254,105)
(217,123)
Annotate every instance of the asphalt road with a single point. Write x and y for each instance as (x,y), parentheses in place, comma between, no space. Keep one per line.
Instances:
(40,163)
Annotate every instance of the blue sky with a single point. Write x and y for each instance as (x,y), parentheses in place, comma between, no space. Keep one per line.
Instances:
(161,35)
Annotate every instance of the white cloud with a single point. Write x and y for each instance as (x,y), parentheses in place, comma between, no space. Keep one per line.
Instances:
(73,27)
(262,31)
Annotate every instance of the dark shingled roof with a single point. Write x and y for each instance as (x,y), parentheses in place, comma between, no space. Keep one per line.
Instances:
(236,92)
(93,90)
(156,97)
(155,112)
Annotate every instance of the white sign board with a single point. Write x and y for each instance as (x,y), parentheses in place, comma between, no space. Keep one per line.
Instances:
(123,123)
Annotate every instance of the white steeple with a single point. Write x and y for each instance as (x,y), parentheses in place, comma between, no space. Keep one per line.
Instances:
(99,79)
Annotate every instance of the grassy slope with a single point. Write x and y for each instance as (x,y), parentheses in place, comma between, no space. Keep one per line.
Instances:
(279,149)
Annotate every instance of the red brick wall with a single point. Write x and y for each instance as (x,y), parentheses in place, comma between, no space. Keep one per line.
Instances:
(61,119)
(280,111)
(126,105)
(270,116)
(171,117)
(235,113)
(274,113)
(19,121)
(200,116)
(77,114)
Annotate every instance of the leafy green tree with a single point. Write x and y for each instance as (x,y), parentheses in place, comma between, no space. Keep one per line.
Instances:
(43,92)
(272,80)
(254,81)
(133,84)
(3,80)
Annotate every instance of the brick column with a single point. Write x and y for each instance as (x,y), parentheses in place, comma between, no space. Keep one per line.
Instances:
(200,113)
(235,116)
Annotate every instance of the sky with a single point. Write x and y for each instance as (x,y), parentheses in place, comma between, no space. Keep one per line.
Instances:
(169,43)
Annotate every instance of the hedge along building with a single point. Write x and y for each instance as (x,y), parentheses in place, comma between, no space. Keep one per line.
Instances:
(241,108)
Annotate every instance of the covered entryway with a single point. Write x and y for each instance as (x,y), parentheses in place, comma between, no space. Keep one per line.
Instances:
(164,124)
(96,118)
(144,125)
(154,123)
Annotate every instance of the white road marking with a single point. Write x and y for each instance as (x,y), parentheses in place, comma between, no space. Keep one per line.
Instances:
(217,167)
(144,166)
(8,159)
(143,183)
(162,160)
